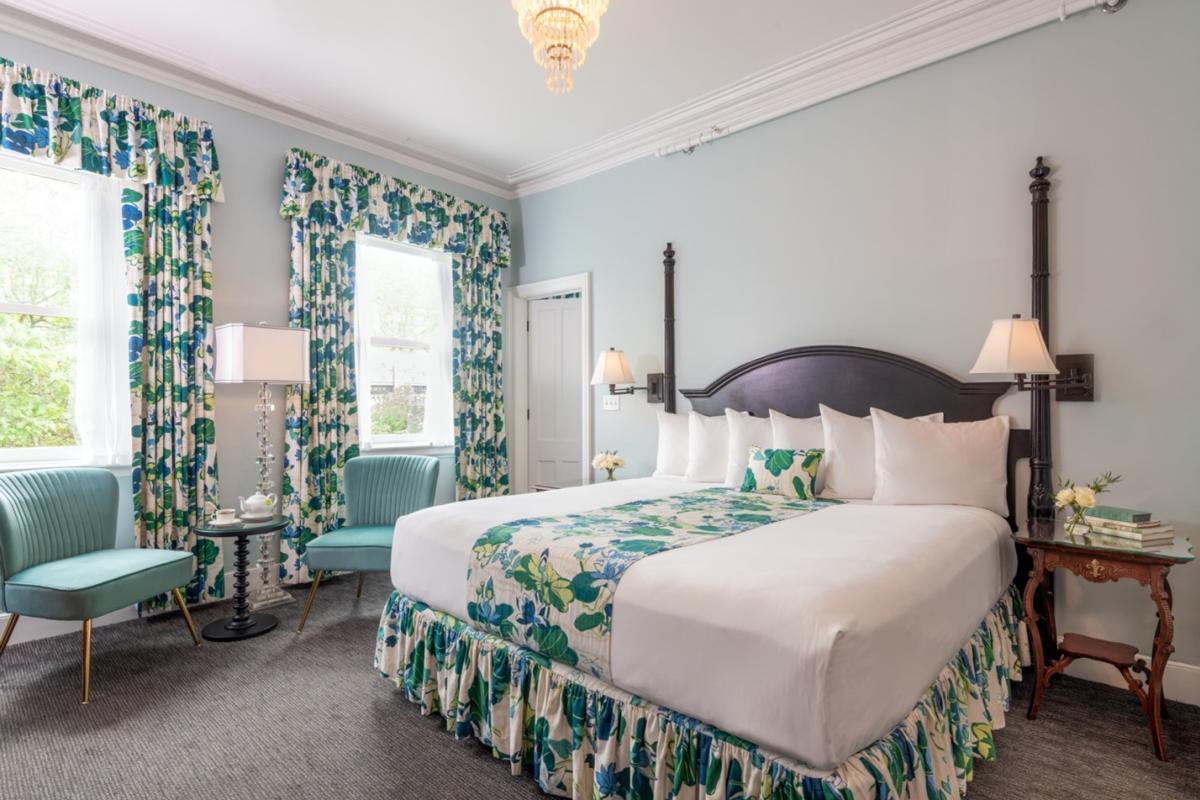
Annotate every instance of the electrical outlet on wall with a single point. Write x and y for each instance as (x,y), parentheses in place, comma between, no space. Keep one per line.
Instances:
(612,403)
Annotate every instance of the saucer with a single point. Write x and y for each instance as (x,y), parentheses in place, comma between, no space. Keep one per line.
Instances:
(270,515)
(233,523)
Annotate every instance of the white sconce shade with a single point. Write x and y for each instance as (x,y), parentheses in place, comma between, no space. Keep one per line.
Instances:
(612,368)
(1015,346)
(261,354)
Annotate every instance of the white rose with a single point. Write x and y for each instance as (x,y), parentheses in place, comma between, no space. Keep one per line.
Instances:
(618,462)
(1085,497)
(1065,497)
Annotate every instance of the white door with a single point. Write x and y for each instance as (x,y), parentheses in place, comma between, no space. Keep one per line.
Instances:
(555,393)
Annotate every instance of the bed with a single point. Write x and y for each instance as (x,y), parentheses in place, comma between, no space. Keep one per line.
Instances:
(808,651)
(849,651)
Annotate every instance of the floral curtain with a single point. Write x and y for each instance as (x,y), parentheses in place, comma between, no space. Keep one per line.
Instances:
(169,264)
(329,203)
(170,166)
(64,122)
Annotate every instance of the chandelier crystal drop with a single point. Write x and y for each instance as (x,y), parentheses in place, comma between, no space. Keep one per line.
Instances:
(560,31)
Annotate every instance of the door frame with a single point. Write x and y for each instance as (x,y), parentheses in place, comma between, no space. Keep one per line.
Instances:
(518,337)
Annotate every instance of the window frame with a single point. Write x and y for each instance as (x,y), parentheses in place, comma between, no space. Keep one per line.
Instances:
(16,457)
(364,343)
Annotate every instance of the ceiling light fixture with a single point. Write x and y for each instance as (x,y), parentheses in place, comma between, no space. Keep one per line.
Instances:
(560,31)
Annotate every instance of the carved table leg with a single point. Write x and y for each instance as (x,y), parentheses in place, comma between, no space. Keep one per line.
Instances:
(1160,591)
(1036,576)
(1157,631)
(1050,642)
(1058,666)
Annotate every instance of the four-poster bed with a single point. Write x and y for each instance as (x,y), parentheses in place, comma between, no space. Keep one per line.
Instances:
(886,673)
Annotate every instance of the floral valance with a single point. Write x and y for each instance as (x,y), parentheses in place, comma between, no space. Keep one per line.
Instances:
(72,124)
(360,199)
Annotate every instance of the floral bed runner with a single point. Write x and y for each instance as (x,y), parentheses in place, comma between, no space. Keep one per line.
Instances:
(548,582)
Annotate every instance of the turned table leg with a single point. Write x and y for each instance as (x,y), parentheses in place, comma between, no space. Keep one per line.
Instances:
(1036,576)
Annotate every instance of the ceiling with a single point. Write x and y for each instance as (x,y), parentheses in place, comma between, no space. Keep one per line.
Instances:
(453,83)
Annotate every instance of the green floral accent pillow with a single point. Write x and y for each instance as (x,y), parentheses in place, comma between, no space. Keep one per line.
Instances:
(791,473)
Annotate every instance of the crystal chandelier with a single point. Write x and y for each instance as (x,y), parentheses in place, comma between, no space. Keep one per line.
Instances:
(560,31)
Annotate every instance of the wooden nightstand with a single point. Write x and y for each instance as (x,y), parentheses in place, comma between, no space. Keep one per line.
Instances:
(1050,548)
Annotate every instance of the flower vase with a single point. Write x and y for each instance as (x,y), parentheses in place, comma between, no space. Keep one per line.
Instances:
(1075,520)
(610,474)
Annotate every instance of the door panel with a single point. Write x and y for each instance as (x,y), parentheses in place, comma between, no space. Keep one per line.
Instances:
(555,392)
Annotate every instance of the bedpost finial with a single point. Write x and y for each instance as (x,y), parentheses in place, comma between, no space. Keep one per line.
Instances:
(669,254)
(1041,177)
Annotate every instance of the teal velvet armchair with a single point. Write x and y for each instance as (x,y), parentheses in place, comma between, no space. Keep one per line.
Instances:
(379,490)
(59,559)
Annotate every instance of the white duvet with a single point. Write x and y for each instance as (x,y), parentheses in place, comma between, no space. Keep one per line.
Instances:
(810,637)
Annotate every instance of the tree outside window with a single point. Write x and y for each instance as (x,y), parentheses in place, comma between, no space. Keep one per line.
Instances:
(39,256)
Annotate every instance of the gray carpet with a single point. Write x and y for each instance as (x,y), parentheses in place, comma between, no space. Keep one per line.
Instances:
(287,716)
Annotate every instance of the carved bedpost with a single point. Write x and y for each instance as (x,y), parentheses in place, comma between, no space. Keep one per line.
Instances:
(669,324)
(1041,490)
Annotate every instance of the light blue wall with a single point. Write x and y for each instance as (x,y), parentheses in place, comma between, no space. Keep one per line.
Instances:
(898,218)
(250,240)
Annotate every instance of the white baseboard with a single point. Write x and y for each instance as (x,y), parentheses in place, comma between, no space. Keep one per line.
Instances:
(1181,681)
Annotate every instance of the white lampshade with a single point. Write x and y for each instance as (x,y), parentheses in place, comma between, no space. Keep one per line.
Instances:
(261,354)
(612,368)
(1015,346)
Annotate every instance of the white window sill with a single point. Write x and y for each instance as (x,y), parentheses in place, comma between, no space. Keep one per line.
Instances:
(378,447)
(24,466)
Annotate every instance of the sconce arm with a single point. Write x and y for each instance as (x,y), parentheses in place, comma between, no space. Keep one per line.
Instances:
(1074,381)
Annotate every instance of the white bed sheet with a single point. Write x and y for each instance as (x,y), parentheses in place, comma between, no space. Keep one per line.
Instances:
(811,637)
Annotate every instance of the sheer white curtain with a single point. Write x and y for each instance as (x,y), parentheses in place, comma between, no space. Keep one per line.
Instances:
(101,403)
(374,256)
(439,405)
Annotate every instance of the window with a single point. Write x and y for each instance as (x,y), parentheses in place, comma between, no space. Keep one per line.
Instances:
(63,319)
(403,340)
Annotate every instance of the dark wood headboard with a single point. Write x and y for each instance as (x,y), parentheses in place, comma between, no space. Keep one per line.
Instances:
(854,380)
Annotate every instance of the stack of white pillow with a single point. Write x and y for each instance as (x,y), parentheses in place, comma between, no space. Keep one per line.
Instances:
(885,458)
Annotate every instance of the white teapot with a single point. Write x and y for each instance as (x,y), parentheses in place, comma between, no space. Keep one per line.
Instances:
(258,504)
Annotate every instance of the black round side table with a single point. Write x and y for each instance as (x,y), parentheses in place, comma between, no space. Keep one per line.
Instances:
(243,624)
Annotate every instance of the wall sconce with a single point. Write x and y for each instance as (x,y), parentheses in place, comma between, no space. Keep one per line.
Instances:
(613,368)
(1015,346)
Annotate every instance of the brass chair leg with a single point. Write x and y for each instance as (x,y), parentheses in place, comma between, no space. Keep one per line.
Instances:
(8,631)
(87,660)
(187,616)
(358,593)
(312,595)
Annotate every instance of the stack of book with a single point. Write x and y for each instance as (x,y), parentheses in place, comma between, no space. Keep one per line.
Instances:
(1129,526)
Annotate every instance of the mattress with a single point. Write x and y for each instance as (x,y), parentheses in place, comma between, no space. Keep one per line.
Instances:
(810,637)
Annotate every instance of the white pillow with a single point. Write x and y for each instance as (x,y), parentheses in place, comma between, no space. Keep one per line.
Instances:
(955,463)
(708,448)
(672,446)
(850,454)
(745,432)
(796,433)
(799,433)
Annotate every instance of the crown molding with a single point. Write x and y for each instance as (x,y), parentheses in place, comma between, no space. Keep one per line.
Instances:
(929,32)
(111,47)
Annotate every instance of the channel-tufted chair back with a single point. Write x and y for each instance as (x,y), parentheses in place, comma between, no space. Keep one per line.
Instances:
(380,489)
(50,514)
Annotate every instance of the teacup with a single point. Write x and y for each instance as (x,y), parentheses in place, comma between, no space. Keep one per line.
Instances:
(225,516)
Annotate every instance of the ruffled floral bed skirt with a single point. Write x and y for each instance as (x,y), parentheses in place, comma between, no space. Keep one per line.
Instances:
(587,740)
